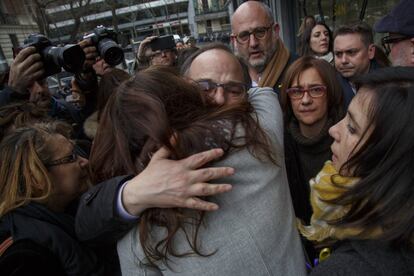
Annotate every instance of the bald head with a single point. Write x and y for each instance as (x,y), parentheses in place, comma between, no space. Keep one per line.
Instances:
(221,67)
(252,18)
(249,7)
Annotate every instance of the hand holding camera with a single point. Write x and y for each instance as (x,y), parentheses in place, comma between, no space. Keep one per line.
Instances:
(143,47)
(158,50)
(90,51)
(105,41)
(26,68)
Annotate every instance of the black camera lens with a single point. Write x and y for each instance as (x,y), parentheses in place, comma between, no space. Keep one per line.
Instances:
(110,51)
(70,57)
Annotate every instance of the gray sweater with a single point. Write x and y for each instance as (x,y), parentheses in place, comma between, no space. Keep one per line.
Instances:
(253,232)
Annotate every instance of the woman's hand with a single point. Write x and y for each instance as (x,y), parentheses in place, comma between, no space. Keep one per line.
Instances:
(169,183)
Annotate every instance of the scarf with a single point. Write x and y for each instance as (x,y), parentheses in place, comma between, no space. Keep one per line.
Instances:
(323,189)
(327,57)
(276,65)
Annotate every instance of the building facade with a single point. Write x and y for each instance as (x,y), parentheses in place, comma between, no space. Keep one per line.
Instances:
(134,19)
(16,24)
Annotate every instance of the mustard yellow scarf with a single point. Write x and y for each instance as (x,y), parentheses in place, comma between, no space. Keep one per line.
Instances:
(275,67)
(323,189)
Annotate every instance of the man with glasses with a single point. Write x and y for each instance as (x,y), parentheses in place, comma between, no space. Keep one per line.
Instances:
(165,56)
(399,24)
(255,37)
(218,73)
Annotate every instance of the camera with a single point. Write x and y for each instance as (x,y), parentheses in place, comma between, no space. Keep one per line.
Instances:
(71,57)
(106,41)
(163,43)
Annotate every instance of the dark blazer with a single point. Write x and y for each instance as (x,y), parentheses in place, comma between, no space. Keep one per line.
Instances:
(367,258)
(97,220)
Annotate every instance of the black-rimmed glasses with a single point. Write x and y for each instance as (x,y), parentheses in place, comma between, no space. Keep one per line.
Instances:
(64,160)
(235,88)
(386,41)
(314,92)
(259,33)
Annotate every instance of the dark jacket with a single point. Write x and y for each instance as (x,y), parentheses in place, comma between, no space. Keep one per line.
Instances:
(365,258)
(346,85)
(34,228)
(97,220)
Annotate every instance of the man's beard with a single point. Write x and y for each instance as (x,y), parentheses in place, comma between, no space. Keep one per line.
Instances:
(258,64)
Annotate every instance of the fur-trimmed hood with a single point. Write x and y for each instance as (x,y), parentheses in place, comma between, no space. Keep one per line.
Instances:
(90,126)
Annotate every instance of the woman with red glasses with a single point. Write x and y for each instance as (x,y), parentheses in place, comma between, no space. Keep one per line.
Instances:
(312,102)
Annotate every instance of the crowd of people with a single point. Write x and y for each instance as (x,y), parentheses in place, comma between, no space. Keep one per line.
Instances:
(241,160)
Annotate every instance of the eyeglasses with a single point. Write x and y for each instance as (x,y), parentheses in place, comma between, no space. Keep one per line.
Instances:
(64,160)
(314,92)
(259,33)
(235,88)
(386,41)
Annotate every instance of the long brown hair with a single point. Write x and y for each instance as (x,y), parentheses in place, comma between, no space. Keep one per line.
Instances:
(23,175)
(20,114)
(143,116)
(107,85)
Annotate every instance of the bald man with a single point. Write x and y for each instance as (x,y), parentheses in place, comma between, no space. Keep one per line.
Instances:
(255,37)
(219,73)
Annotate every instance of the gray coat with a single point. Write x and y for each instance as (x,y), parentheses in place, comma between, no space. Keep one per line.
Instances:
(254,230)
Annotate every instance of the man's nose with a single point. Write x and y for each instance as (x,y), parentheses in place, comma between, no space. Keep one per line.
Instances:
(253,41)
(219,96)
(344,59)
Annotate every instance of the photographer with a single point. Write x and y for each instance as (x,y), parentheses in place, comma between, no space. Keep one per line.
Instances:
(157,50)
(37,60)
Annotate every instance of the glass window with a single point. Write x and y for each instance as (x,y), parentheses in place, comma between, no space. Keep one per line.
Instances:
(339,12)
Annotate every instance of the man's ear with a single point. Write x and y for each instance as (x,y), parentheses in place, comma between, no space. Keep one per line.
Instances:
(276,29)
(233,40)
(371,51)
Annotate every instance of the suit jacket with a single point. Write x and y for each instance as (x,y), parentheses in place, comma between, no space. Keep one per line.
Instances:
(97,219)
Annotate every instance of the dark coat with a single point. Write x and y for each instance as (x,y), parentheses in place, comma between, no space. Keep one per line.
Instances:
(97,220)
(366,258)
(34,228)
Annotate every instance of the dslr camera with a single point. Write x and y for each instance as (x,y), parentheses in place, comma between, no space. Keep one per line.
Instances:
(105,40)
(71,57)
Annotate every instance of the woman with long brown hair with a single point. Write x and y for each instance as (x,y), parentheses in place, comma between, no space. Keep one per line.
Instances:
(312,102)
(158,108)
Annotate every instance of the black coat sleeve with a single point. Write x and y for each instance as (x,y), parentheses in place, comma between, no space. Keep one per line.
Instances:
(97,219)
(8,95)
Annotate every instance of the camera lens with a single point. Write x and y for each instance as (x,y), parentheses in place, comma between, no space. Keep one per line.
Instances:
(110,51)
(73,58)
(70,57)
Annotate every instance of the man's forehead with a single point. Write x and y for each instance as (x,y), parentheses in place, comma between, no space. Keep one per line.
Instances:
(346,42)
(215,62)
(249,17)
